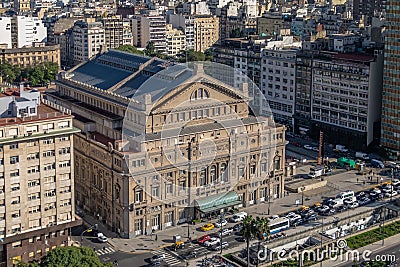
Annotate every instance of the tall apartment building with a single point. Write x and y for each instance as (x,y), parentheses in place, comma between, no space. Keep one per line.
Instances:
(390,132)
(88,40)
(206,32)
(302,115)
(36,177)
(278,83)
(134,203)
(24,57)
(346,98)
(147,29)
(20,31)
(186,23)
(113,31)
(22,6)
(127,38)
(176,41)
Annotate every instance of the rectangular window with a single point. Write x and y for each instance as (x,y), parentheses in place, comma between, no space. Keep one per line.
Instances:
(155,191)
(49,153)
(48,141)
(51,166)
(63,124)
(64,150)
(15,187)
(33,169)
(14,173)
(64,164)
(14,159)
(34,182)
(13,146)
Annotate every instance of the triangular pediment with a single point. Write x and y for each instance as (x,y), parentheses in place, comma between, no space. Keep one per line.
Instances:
(195,93)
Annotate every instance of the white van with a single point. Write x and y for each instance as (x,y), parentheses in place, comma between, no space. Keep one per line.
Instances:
(238,217)
(345,195)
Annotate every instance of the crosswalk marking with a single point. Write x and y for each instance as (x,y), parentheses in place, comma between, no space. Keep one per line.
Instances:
(169,259)
(105,251)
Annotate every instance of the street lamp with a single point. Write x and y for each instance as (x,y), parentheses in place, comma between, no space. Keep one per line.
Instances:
(189,184)
(302,195)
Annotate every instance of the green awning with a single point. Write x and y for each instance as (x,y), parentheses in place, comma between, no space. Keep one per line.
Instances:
(217,202)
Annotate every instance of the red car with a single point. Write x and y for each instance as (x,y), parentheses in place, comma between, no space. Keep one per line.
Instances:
(203,239)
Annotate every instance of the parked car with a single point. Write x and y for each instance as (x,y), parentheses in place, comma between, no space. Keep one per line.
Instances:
(326,202)
(353,205)
(207,227)
(221,223)
(334,204)
(212,242)
(341,208)
(294,218)
(391,194)
(348,201)
(387,189)
(396,182)
(179,244)
(223,245)
(323,209)
(312,217)
(307,212)
(364,201)
(238,227)
(157,258)
(203,239)
(274,217)
(297,222)
(329,212)
(360,195)
(101,237)
(226,231)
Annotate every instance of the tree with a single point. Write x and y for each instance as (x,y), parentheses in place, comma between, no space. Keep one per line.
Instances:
(262,231)
(248,231)
(10,73)
(130,49)
(69,257)
(236,33)
(150,49)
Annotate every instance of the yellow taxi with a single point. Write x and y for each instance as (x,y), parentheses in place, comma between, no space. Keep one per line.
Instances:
(305,207)
(179,244)
(207,227)
(317,205)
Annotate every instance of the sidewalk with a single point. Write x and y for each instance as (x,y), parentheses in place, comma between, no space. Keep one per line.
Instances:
(374,247)
(140,244)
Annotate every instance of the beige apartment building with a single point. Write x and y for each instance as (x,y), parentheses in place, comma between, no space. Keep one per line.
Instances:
(30,56)
(36,177)
(134,175)
(176,41)
(206,32)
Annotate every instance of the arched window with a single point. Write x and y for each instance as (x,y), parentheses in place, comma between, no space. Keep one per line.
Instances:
(200,93)
(213,174)
(223,172)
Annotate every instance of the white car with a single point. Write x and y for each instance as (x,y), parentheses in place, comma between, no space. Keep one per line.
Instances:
(388,189)
(212,242)
(102,238)
(226,231)
(157,258)
(308,147)
(396,182)
(291,214)
(221,223)
(391,194)
(294,218)
(353,205)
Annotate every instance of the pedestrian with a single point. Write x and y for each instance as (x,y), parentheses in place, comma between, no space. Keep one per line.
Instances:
(104,247)
(156,237)
(94,249)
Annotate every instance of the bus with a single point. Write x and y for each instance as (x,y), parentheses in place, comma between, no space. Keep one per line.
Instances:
(278,225)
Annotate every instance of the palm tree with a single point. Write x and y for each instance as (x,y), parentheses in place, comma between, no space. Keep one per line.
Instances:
(248,231)
(262,231)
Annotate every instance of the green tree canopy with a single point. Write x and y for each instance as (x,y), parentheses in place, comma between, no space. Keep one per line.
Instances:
(131,49)
(69,257)
(36,75)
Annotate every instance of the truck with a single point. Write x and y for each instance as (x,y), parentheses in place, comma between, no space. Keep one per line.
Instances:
(362,155)
(377,164)
(340,148)
(346,163)
(316,171)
